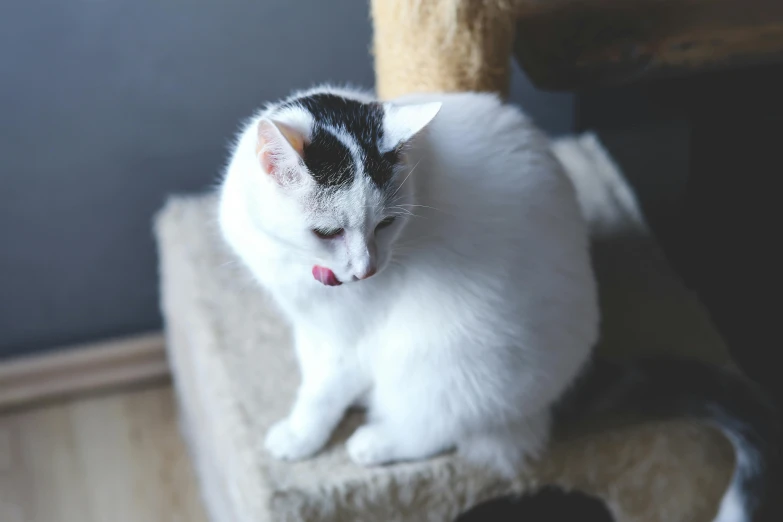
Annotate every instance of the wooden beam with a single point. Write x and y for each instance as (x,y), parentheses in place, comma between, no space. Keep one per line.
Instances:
(577,44)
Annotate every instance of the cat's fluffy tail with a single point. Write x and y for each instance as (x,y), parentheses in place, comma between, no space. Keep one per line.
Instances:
(668,388)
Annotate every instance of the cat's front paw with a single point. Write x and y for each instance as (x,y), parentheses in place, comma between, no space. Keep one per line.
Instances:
(285,443)
(370,446)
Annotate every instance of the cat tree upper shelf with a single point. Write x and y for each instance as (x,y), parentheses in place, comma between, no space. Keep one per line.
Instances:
(569,44)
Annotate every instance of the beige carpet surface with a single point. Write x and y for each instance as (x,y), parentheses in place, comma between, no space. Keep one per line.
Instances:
(235,374)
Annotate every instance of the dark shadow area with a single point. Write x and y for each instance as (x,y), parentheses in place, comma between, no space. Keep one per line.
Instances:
(549,504)
(703,154)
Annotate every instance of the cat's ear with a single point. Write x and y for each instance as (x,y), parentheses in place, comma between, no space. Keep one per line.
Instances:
(280,149)
(403,122)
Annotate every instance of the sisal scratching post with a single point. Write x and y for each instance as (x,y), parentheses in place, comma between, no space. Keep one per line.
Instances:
(235,374)
(442,45)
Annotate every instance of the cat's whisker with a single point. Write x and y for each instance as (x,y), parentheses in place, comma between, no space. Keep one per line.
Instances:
(406,178)
(421,206)
(403,212)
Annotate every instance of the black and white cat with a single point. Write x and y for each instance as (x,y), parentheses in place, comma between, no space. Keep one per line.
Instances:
(431,257)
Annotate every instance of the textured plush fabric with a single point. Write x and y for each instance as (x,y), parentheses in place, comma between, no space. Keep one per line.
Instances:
(235,374)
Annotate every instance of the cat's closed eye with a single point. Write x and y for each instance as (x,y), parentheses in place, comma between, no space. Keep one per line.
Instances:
(328,233)
(385,223)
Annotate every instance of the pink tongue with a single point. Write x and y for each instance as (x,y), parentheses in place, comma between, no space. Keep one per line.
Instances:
(325,276)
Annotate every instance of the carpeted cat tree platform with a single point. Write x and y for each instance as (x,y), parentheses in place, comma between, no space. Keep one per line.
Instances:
(235,371)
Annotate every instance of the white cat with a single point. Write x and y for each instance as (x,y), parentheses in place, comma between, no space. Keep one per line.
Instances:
(432,260)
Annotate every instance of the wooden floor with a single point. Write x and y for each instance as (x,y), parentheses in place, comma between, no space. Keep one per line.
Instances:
(115,458)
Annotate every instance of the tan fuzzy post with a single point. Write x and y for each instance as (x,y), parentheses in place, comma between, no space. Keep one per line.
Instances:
(442,45)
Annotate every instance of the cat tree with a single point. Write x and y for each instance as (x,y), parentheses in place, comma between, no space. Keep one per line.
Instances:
(235,372)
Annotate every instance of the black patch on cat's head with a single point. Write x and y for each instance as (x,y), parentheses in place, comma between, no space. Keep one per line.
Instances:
(328,160)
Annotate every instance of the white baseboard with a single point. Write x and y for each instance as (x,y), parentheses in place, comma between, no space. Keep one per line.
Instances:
(87,368)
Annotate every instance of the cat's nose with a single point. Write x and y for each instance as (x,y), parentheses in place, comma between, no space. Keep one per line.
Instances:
(363,262)
(369,273)
(364,269)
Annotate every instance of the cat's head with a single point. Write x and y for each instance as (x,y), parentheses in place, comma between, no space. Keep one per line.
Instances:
(339,166)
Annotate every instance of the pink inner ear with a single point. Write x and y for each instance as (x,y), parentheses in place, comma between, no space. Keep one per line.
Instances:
(276,142)
(267,135)
(267,159)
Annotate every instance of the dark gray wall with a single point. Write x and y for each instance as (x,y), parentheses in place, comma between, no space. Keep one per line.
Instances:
(107,107)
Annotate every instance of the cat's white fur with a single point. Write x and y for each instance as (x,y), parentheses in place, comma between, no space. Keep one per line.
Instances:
(484,306)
